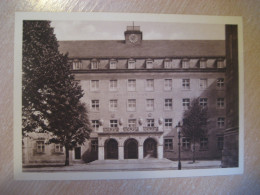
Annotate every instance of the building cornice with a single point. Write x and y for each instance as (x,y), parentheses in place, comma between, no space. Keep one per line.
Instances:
(132,133)
(209,70)
(146,57)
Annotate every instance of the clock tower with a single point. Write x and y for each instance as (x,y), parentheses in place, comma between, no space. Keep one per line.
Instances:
(133,35)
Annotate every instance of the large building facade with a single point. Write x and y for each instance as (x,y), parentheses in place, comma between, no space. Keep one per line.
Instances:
(137,90)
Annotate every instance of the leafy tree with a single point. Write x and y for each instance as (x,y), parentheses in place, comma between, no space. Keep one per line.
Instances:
(194,123)
(51,96)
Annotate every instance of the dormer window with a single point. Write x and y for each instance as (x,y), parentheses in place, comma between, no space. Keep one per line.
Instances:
(167,63)
(185,63)
(76,64)
(220,63)
(131,64)
(149,63)
(203,63)
(112,64)
(94,64)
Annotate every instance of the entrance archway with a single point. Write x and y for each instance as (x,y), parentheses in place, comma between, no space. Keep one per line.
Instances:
(131,149)
(150,148)
(111,149)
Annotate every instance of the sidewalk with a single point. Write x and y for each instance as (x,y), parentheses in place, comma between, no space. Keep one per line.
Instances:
(128,165)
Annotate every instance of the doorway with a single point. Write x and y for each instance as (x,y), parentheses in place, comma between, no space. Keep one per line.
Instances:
(150,148)
(111,149)
(77,153)
(131,149)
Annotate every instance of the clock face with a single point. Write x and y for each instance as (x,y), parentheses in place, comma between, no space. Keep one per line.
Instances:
(133,38)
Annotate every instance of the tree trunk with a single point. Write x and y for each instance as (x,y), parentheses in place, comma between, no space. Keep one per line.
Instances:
(67,162)
(193,156)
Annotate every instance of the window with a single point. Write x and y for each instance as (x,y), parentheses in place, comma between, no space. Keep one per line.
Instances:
(221,122)
(131,64)
(220,143)
(40,146)
(220,63)
(94,85)
(76,65)
(220,83)
(185,63)
(150,122)
(58,148)
(95,124)
(203,143)
(168,123)
(150,104)
(203,102)
(131,122)
(113,123)
(113,105)
(168,144)
(168,104)
(203,63)
(186,83)
(95,105)
(149,64)
(131,106)
(113,85)
(186,143)
(186,103)
(94,64)
(112,64)
(220,103)
(203,83)
(94,145)
(131,85)
(149,85)
(167,84)
(167,64)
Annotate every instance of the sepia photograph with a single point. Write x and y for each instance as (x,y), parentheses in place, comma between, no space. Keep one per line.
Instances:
(127,97)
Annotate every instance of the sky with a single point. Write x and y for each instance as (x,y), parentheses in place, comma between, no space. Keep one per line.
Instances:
(103,30)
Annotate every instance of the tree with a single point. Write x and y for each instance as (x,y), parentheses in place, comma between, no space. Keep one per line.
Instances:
(194,123)
(50,95)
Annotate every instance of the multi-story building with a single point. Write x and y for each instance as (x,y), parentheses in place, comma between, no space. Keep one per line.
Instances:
(137,90)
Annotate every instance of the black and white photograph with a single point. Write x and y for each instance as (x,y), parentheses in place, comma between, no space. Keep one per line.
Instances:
(109,97)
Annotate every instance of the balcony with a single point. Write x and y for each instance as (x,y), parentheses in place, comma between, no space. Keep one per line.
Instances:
(110,129)
(130,129)
(150,129)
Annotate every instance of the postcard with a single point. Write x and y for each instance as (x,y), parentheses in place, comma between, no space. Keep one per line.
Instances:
(126,96)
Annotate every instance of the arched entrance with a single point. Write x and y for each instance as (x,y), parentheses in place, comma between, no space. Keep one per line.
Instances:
(131,149)
(111,149)
(150,148)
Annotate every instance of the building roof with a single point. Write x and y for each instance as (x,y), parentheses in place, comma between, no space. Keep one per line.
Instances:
(147,48)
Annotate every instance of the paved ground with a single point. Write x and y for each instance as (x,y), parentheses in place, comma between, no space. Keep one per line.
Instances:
(128,165)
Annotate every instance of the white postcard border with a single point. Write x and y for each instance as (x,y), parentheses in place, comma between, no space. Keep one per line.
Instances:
(20,16)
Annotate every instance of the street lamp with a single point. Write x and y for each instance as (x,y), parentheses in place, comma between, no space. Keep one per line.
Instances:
(178,127)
